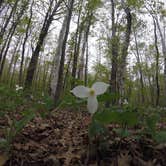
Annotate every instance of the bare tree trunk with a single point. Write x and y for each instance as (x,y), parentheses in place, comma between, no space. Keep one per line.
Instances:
(43,33)
(140,68)
(57,79)
(9,38)
(5,53)
(78,37)
(85,40)
(163,50)
(114,54)
(124,53)
(67,72)
(86,64)
(2,32)
(23,46)
(15,62)
(12,59)
(157,66)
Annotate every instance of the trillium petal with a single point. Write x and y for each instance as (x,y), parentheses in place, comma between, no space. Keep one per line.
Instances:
(92,104)
(100,87)
(80,91)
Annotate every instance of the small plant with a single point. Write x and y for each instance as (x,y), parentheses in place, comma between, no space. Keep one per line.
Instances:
(97,131)
(14,128)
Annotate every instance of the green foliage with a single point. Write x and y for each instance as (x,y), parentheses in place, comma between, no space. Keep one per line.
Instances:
(107,97)
(70,101)
(135,3)
(10,99)
(151,122)
(94,4)
(15,127)
(27,105)
(121,117)
(96,129)
(160,137)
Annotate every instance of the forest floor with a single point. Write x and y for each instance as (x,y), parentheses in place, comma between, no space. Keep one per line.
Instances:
(62,139)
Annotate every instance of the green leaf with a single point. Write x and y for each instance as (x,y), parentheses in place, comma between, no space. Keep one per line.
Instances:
(122,132)
(19,125)
(96,128)
(160,137)
(151,123)
(129,118)
(107,117)
(126,117)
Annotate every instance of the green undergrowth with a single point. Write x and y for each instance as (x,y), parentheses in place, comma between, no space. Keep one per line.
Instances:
(25,105)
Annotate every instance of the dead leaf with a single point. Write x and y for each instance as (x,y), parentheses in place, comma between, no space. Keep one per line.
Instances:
(124,159)
(3,159)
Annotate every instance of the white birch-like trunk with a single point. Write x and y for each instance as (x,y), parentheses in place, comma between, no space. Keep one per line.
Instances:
(57,58)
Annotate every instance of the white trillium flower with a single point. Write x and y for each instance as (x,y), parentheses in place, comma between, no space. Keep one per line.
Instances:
(125,102)
(97,88)
(19,88)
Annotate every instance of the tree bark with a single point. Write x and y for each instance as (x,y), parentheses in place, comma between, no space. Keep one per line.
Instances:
(2,32)
(23,46)
(86,64)
(114,54)
(57,77)
(140,68)
(157,66)
(124,53)
(85,40)
(78,37)
(43,33)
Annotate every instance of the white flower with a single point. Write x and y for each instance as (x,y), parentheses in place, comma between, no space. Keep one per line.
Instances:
(18,87)
(125,102)
(97,88)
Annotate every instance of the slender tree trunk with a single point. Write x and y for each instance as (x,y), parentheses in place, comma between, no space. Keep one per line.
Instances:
(114,54)
(78,37)
(67,72)
(86,65)
(140,68)
(85,40)
(163,43)
(157,66)
(2,32)
(14,67)
(5,53)
(57,80)
(23,46)
(124,53)
(43,34)
(10,35)
(12,59)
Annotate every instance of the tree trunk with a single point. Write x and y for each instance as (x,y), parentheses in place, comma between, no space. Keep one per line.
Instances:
(124,53)
(157,66)
(12,59)
(114,54)
(2,32)
(57,77)
(23,46)
(86,65)
(85,40)
(10,35)
(43,33)
(140,68)
(78,37)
